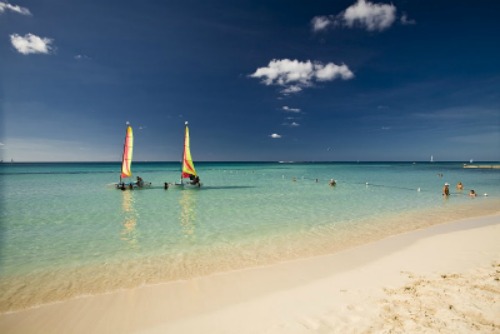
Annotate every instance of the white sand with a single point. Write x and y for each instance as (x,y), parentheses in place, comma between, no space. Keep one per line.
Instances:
(442,279)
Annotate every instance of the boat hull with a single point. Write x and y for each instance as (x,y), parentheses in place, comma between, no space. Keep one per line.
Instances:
(132,186)
(188,185)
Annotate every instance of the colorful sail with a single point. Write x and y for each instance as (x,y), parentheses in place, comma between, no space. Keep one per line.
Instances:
(128,148)
(187,161)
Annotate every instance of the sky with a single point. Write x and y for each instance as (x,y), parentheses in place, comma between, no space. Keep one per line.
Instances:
(258,80)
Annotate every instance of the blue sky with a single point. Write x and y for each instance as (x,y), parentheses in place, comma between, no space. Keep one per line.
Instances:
(257,80)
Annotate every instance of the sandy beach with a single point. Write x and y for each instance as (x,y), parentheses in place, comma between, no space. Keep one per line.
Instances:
(441,279)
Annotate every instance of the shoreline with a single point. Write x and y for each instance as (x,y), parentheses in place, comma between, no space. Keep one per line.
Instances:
(24,292)
(294,296)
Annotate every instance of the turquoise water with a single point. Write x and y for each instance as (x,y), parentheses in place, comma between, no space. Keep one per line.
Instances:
(67,231)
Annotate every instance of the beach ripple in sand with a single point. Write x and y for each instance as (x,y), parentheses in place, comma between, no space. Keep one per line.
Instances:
(446,303)
(451,303)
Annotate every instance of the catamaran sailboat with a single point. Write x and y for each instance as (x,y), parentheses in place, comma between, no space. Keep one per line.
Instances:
(189,177)
(126,172)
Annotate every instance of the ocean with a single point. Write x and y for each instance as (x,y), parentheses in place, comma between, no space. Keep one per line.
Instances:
(66,231)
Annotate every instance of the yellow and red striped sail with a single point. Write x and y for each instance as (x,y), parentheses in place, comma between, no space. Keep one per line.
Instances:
(128,148)
(187,161)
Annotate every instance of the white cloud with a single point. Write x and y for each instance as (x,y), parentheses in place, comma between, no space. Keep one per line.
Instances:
(17,9)
(275,136)
(320,23)
(288,109)
(406,21)
(30,43)
(291,90)
(370,15)
(364,14)
(285,71)
(296,75)
(82,57)
(331,71)
(292,124)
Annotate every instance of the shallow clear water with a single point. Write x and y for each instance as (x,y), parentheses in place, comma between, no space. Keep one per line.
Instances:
(67,231)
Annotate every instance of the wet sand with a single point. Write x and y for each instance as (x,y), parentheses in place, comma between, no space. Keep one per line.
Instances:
(443,278)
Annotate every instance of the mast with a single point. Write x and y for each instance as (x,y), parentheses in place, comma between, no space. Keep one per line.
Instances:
(128,147)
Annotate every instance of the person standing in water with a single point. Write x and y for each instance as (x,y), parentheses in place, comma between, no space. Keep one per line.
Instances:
(140,182)
(446,190)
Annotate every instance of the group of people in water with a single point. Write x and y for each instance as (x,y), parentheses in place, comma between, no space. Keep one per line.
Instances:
(446,187)
(331,183)
(460,187)
(193,180)
(139,183)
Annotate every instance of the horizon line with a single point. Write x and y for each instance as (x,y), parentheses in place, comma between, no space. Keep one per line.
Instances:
(253,161)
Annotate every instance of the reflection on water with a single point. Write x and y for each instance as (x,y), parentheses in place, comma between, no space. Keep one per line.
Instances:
(188,213)
(129,232)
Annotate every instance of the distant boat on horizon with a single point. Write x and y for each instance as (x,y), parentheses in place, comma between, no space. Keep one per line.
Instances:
(432,158)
